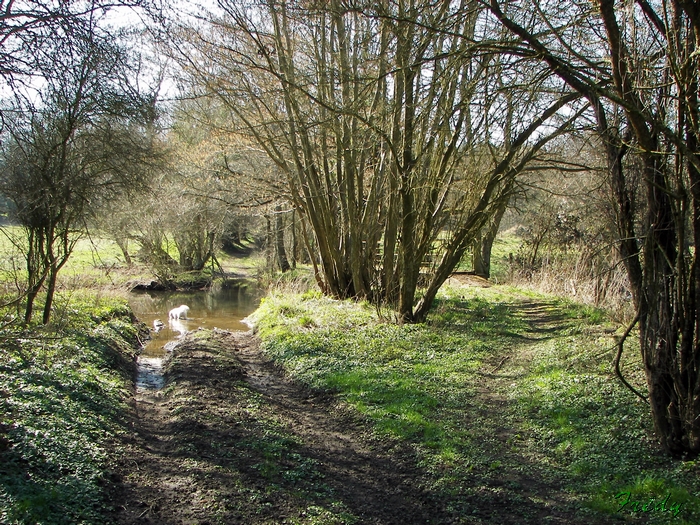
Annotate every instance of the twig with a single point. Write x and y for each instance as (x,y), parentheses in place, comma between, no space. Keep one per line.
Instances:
(500,364)
(616,361)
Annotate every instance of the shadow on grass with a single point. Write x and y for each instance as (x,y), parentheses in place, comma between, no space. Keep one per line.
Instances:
(508,399)
(236,441)
(59,404)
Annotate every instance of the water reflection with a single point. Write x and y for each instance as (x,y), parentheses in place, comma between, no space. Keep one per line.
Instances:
(224,309)
(150,374)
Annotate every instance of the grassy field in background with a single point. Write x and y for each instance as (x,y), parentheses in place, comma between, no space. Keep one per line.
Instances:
(95,262)
(501,390)
(98,263)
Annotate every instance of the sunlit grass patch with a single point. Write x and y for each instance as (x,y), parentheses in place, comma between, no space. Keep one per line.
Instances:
(95,262)
(494,375)
(586,424)
(411,380)
(505,245)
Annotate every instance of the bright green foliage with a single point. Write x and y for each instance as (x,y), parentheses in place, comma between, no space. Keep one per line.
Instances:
(584,422)
(499,384)
(397,374)
(61,401)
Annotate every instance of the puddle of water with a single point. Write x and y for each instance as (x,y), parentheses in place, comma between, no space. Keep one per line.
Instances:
(150,374)
(224,309)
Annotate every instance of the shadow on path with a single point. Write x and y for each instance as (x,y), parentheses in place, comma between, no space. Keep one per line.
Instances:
(233,441)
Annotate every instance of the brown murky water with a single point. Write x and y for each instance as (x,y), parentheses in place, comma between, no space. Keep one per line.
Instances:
(224,309)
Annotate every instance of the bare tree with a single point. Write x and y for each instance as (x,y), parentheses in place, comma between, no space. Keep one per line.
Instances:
(638,67)
(386,129)
(72,141)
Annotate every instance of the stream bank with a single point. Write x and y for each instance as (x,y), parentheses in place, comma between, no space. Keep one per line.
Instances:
(223,308)
(63,392)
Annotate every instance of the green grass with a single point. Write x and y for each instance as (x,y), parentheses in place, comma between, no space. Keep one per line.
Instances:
(61,400)
(94,263)
(583,423)
(499,384)
(505,245)
(97,262)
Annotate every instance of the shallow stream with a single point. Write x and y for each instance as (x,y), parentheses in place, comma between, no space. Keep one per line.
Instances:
(224,309)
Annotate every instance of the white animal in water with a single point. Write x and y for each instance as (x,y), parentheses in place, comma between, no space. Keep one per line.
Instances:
(179,313)
(157,325)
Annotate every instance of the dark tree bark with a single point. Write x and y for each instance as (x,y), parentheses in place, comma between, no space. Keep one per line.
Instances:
(279,240)
(481,255)
(649,101)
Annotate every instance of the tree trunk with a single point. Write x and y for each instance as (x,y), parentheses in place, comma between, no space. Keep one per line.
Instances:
(65,248)
(50,292)
(32,293)
(123,245)
(295,243)
(279,240)
(36,270)
(269,248)
(484,243)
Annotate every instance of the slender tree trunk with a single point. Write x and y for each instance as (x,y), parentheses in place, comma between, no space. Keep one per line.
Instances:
(123,245)
(279,240)
(295,244)
(32,294)
(56,262)
(269,247)
(50,292)
(484,244)
(36,270)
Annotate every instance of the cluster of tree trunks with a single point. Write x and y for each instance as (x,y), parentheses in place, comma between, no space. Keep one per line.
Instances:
(395,139)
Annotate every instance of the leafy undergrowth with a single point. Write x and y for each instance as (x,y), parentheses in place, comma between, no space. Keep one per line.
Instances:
(62,395)
(508,396)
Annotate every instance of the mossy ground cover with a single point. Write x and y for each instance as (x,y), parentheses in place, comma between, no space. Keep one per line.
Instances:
(62,404)
(508,396)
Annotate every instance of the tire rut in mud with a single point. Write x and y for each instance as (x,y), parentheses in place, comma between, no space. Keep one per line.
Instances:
(232,440)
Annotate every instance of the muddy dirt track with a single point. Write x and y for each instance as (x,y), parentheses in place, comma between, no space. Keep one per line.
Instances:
(231,440)
(188,464)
